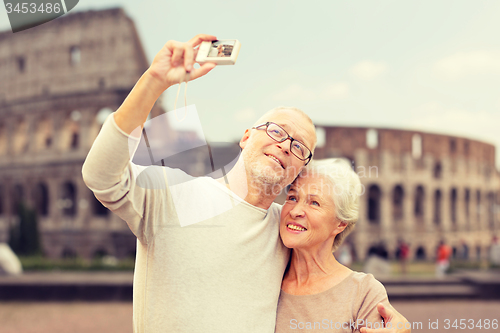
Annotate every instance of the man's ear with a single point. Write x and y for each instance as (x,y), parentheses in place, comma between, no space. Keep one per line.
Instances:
(244,139)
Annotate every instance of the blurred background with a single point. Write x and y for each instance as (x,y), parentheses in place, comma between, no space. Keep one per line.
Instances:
(407,91)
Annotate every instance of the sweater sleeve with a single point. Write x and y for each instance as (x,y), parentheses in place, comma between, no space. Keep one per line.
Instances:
(371,293)
(110,174)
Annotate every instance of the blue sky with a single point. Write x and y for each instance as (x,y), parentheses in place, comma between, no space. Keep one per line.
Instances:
(427,65)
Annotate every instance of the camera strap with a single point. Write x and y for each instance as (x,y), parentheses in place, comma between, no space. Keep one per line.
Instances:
(185,98)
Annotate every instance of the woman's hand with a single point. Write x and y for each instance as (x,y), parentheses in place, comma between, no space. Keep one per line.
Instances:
(394,322)
(174,63)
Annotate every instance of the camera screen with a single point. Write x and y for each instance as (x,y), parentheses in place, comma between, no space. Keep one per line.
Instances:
(221,49)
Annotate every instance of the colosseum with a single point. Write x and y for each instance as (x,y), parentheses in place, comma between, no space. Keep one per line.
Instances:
(420,188)
(61,80)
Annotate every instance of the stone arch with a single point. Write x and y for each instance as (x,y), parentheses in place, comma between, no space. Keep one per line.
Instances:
(478,206)
(3,138)
(467,205)
(100,252)
(1,200)
(41,199)
(20,139)
(70,135)
(75,55)
(420,253)
(68,253)
(397,203)
(453,205)
(491,210)
(437,206)
(98,208)
(374,200)
(131,254)
(68,199)
(438,170)
(419,202)
(44,133)
(378,249)
(17,197)
(21,64)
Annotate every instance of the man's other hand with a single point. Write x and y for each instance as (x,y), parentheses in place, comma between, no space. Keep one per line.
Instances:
(394,321)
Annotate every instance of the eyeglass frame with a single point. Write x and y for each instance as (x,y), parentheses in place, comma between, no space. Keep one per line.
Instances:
(308,159)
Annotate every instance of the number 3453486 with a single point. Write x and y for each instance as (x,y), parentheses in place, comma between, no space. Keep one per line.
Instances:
(471,324)
(33,8)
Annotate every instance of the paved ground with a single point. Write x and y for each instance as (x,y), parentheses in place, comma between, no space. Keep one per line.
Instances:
(426,312)
(117,317)
(65,317)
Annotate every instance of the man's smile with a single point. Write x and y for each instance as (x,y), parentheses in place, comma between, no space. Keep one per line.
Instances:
(277,160)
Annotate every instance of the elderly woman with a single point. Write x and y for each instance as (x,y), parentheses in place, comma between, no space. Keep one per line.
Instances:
(318,293)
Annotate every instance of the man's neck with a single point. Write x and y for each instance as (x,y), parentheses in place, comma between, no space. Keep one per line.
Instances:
(252,192)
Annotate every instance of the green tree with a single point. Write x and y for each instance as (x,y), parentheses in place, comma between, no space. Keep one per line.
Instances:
(24,236)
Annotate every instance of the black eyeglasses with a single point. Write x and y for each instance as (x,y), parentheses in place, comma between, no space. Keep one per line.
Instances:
(277,133)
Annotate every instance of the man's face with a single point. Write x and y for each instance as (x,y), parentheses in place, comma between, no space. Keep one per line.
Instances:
(270,162)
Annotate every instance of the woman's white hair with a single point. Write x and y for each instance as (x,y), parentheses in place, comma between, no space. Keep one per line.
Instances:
(345,188)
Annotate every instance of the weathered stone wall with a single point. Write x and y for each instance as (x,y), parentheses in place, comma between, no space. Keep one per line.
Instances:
(56,80)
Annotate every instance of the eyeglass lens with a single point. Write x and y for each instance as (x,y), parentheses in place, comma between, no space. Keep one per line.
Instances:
(280,135)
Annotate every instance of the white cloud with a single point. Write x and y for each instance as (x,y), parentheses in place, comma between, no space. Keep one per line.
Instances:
(245,115)
(468,63)
(338,90)
(295,92)
(368,70)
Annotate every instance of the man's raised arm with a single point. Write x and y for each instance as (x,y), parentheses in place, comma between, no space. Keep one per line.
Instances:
(172,65)
(107,170)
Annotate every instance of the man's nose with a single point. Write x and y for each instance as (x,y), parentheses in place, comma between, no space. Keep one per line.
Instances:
(284,146)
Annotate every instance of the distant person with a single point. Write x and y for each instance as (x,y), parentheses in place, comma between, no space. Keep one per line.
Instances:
(464,251)
(403,255)
(495,251)
(442,259)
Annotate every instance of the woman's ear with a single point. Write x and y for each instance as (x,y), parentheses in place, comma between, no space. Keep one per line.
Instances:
(244,139)
(342,225)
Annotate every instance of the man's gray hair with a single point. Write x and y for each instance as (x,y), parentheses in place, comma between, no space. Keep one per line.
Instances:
(345,188)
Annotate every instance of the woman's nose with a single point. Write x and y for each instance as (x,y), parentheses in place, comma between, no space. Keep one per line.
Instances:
(297,211)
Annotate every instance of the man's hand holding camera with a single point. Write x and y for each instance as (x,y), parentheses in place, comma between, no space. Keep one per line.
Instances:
(174,63)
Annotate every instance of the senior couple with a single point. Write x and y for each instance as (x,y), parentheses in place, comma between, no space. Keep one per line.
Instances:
(234,271)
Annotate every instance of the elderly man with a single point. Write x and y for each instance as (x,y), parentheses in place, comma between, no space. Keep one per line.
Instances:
(222,274)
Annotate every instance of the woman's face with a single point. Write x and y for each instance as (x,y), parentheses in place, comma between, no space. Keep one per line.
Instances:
(308,217)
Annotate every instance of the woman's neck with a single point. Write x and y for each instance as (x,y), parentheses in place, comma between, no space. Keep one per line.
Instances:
(312,272)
